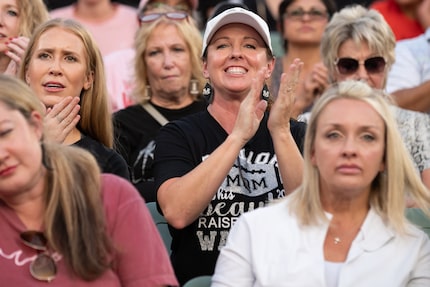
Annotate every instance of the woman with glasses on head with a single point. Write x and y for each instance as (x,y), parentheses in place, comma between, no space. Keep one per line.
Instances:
(168,85)
(119,66)
(359,44)
(62,221)
(301,24)
(345,225)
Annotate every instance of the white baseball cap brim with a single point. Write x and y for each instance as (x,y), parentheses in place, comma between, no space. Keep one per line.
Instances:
(237,15)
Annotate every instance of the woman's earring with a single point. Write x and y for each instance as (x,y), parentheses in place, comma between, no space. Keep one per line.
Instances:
(265,93)
(208,92)
(148,91)
(194,87)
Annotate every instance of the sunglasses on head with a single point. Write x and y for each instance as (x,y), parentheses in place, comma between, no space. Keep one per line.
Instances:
(43,267)
(178,15)
(348,66)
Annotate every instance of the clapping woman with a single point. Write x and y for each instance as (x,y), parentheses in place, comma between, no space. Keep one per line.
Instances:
(234,156)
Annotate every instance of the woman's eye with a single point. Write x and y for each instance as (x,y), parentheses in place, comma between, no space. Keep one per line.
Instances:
(12,13)
(153,53)
(5,132)
(178,49)
(332,135)
(221,46)
(43,56)
(368,137)
(250,46)
(71,59)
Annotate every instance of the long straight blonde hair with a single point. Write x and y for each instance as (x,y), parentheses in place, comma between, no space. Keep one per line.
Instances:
(95,112)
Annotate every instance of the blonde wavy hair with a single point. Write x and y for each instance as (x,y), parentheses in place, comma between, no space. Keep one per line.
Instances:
(32,13)
(389,189)
(189,32)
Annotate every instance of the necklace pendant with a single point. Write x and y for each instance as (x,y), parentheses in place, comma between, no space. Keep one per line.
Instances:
(336,240)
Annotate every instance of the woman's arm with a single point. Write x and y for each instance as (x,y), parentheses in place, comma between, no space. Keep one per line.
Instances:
(182,199)
(290,160)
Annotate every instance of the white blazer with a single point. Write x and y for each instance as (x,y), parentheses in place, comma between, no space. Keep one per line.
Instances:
(266,247)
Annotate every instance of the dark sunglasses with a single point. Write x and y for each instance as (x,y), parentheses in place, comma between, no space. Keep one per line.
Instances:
(348,66)
(178,15)
(43,267)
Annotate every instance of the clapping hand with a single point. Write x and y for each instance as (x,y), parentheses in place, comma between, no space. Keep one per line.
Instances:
(281,111)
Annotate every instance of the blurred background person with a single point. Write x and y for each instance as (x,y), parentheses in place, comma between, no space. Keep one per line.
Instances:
(359,44)
(119,66)
(168,85)
(234,156)
(347,219)
(64,67)
(409,78)
(407,18)
(19,18)
(112,25)
(301,24)
(52,4)
(63,223)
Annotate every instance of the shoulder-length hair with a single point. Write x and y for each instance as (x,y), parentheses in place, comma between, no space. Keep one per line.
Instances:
(32,13)
(74,215)
(95,110)
(389,189)
(188,30)
(358,24)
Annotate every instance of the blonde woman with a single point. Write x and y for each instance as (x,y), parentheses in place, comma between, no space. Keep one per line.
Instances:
(64,68)
(168,79)
(346,221)
(19,19)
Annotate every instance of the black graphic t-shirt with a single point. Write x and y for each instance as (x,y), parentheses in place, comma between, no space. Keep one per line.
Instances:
(135,132)
(252,182)
(108,159)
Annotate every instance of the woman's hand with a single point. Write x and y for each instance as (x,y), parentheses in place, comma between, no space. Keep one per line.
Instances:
(61,119)
(251,110)
(281,111)
(16,49)
(314,85)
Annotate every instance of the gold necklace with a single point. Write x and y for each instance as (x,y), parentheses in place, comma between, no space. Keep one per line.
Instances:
(337,240)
